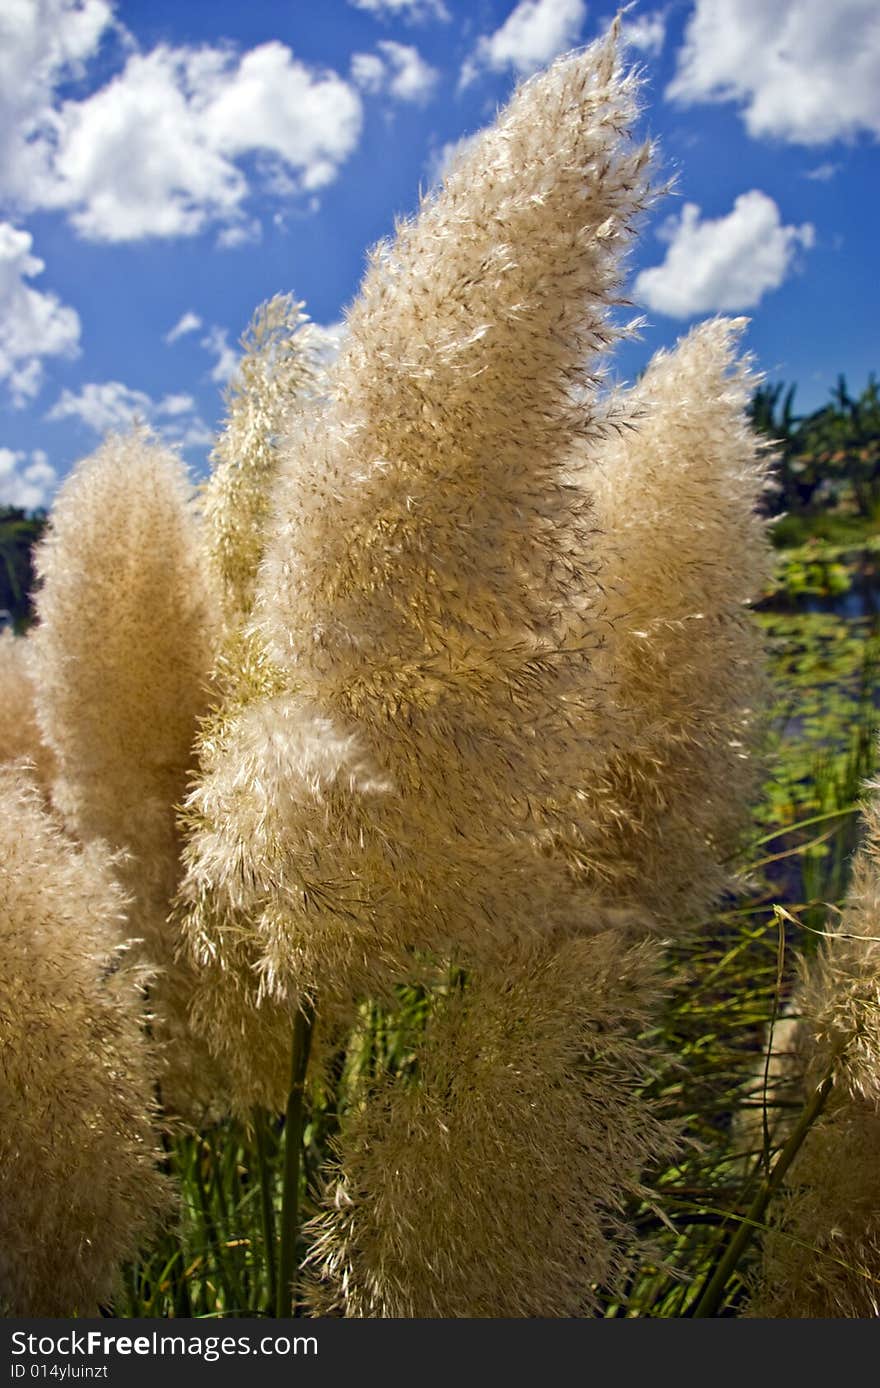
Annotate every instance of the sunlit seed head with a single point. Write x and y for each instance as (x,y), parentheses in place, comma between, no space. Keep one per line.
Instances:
(79,1187)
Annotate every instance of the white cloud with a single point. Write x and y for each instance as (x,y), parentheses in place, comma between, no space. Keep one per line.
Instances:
(42,39)
(401,71)
(805,71)
(110,406)
(26,480)
(104,406)
(25,381)
(727,263)
(414,11)
(646,33)
(823,173)
(133,160)
(327,340)
(247,233)
(533,34)
(412,78)
(33,324)
(216,341)
(176,404)
(188,322)
(368,72)
(190,433)
(273,102)
(41,43)
(157,151)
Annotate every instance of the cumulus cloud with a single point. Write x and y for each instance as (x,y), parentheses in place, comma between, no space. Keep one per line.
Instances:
(326,339)
(804,71)
(822,173)
(33,324)
(270,101)
(646,33)
(188,322)
(153,153)
(246,233)
(26,479)
(42,42)
(105,406)
(369,72)
(400,71)
(414,11)
(192,432)
(159,149)
(176,404)
(533,34)
(216,341)
(727,263)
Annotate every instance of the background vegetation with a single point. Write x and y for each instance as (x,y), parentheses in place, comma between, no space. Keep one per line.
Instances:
(19,532)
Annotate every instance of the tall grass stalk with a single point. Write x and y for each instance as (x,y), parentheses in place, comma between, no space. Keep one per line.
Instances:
(267,1203)
(713,1295)
(303,1027)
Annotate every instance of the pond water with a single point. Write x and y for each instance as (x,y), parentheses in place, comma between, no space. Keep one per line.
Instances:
(824,652)
(862,600)
(849,588)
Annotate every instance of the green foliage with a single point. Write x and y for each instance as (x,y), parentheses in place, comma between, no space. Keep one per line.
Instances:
(19,532)
(844,439)
(220,1257)
(731,984)
(827,459)
(842,528)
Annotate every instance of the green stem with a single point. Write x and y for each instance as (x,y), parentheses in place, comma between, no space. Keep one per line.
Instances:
(267,1204)
(211,1235)
(302,1041)
(713,1293)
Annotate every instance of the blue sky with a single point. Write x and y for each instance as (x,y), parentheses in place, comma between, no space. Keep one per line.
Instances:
(166,166)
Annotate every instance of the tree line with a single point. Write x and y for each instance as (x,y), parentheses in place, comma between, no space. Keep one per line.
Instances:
(825,459)
(19,532)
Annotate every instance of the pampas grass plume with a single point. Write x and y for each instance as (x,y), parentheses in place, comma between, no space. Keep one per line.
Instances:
(428,592)
(493,1180)
(275,377)
(124,648)
(79,1187)
(683,549)
(128,630)
(19,730)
